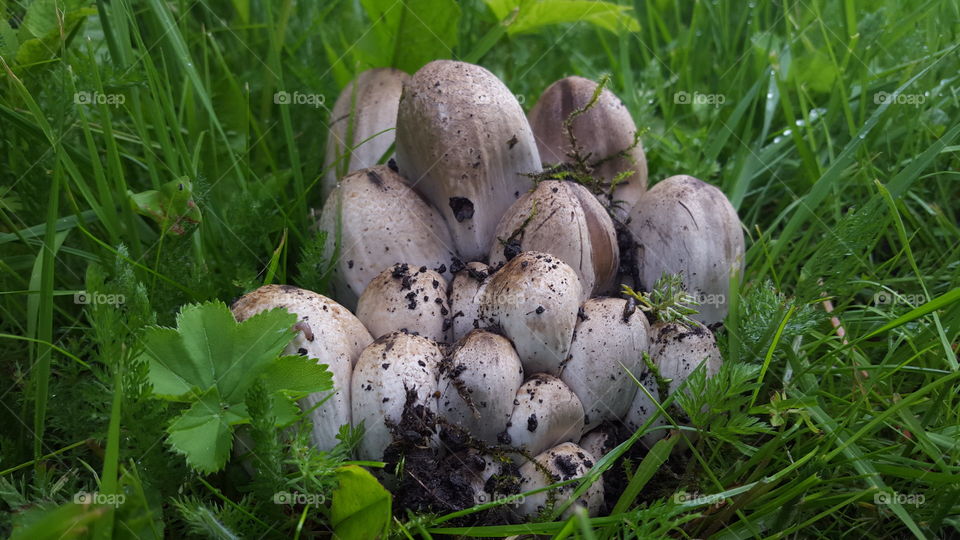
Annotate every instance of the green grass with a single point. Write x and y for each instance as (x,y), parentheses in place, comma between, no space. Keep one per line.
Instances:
(832,126)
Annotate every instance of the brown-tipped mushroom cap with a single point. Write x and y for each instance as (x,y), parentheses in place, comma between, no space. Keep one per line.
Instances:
(563,219)
(405,297)
(327,332)
(464,142)
(365,109)
(688,227)
(604,130)
(381,221)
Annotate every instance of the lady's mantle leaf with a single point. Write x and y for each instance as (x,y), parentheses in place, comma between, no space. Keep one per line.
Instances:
(203,433)
(360,506)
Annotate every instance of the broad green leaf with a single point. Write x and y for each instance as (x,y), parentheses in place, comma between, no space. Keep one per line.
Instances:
(203,433)
(407,34)
(361,506)
(298,374)
(535,14)
(8,48)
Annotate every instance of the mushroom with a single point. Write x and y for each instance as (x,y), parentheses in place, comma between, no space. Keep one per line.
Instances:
(565,220)
(464,142)
(378,221)
(465,298)
(405,298)
(688,227)
(327,332)
(599,441)
(676,349)
(479,380)
(387,370)
(545,413)
(534,299)
(363,117)
(609,340)
(604,130)
(566,461)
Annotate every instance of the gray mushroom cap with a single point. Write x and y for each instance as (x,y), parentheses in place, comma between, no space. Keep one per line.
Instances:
(608,341)
(688,227)
(405,297)
(367,110)
(534,299)
(327,332)
(566,461)
(386,370)
(565,220)
(604,130)
(465,298)
(479,380)
(379,220)
(545,413)
(463,140)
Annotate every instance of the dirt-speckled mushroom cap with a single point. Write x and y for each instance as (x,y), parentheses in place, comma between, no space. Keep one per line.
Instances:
(599,441)
(367,109)
(464,142)
(677,350)
(479,380)
(386,370)
(563,219)
(545,413)
(328,332)
(381,221)
(609,340)
(688,227)
(562,462)
(534,300)
(465,298)
(406,297)
(604,130)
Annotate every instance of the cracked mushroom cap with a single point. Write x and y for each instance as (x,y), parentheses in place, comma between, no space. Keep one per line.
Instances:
(562,462)
(479,380)
(688,227)
(409,298)
(604,130)
(463,140)
(534,299)
(608,341)
(380,220)
(545,413)
(465,298)
(393,365)
(677,350)
(328,332)
(365,109)
(565,220)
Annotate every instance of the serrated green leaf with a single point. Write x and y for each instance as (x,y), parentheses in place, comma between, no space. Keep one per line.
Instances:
(203,433)
(409,33)
(298,374)
(361,506)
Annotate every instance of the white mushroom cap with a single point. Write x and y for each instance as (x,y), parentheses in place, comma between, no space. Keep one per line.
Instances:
(464,142)
(545,413)
(465,298)
(565,220)
(688,227)
(386,370)
(380,221)
(534,299)
(562,462)
(598,442)
(607,342)
(327,332)
(367,107)
(404,297)
(604,130)
(479,380)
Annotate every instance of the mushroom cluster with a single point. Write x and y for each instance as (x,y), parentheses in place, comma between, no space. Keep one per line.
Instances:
(479,286)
